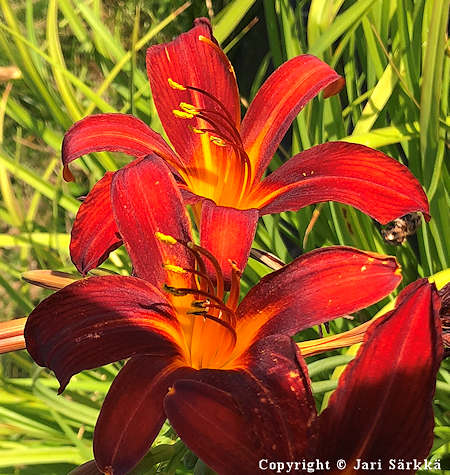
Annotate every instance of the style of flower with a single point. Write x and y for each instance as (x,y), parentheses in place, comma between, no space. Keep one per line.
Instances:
(219,162)
(379,419)
(175,323)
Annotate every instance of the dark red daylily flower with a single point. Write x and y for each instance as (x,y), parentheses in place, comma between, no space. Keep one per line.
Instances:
(381,411)
(220,162)
(176,323)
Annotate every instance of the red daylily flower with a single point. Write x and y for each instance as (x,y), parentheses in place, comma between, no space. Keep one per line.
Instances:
(381,411)
(176,323)
(220,162)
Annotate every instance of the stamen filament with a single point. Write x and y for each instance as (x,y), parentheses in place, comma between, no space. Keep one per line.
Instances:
(214,99)
(228,311)
(204,276)
(203,114)
(223,126)
(206,282)
(216,265)
(182,291)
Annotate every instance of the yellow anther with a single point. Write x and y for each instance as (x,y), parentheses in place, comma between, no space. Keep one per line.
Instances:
(398,271)
(189,108)
(197,131)
(182,115)
(165,238)
(217,141)
(174,268)
(175,85)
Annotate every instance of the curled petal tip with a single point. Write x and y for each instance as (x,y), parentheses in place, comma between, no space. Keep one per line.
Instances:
(334,88)
(67,174)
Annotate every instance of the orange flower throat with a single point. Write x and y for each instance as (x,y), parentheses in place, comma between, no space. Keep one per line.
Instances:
(206,315)
(218,129)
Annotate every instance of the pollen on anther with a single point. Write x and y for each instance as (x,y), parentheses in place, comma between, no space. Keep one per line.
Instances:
(182,114)
(217,141)
(175,85)
(363,268)
(165,238)
(189,108)
(174,268)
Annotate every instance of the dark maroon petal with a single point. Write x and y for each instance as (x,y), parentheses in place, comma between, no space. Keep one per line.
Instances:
(146,200)
(262,410)
(349,173)
(228,234)
(210,424)
(94,233)
(278,102)
(99,320)
(189,60)
(132,413)
(271,386)
(316,287)
(114,133)
(88,468)
(382,408)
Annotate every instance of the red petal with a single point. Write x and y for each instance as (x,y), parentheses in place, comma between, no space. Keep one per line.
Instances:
(189,198)
(94,232)
(133,412)
(99,320)
(278,102)
(264,409)
(228,234)
(318,286)
(114,133)
(349,173)
(271,385)
(145,200)
(382,407)
(190,61)
(210,424)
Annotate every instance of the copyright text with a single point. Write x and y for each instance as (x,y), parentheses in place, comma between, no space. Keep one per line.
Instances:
(316,465)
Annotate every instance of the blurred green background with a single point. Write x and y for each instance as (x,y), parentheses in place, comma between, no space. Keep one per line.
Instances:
(72,58)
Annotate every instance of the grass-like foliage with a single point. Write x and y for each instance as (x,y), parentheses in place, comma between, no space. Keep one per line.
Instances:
(72,58)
